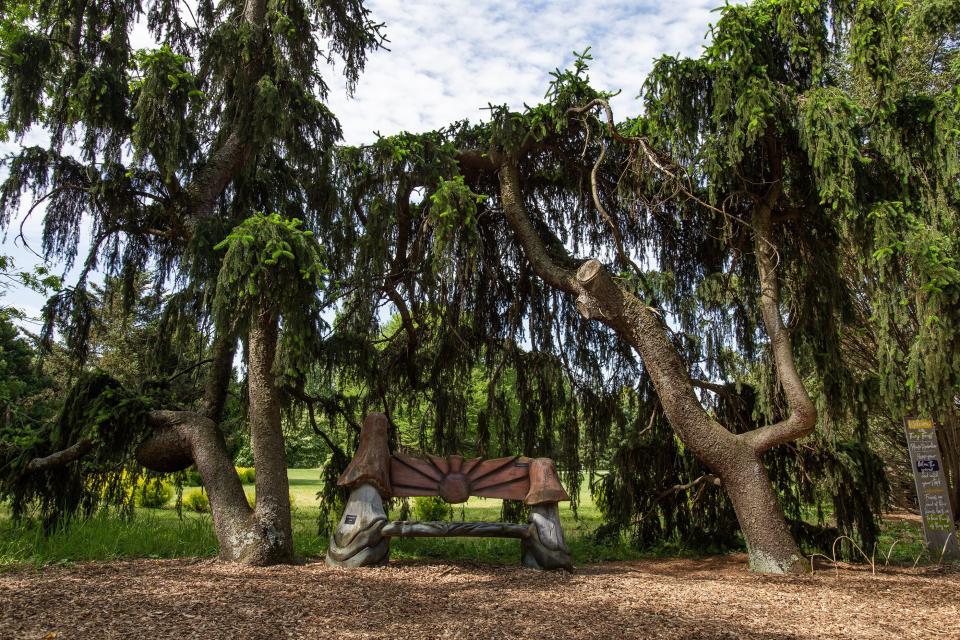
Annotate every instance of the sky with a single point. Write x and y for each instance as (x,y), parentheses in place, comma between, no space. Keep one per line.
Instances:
(447,60)
(450,59)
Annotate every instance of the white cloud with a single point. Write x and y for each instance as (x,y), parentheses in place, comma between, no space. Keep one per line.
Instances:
(448,60)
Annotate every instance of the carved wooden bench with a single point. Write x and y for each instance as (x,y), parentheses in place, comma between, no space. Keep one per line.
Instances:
(362,537)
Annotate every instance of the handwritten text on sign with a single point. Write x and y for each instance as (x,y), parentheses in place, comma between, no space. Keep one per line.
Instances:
(931,488)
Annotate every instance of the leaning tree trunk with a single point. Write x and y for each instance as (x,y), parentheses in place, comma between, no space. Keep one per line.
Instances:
(770,544)
(180,438)
(735,459)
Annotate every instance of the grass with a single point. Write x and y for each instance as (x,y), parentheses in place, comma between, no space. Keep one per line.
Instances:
(153,533)
(160,533)
(902,542)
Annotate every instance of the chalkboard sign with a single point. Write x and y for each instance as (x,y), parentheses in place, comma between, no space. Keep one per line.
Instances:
(938,527)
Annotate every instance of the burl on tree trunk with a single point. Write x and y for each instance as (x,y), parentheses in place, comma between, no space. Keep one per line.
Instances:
(362,535)
(260,535)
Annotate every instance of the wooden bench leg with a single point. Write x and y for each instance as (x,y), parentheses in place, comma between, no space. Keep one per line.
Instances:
(544,548)
(357,541)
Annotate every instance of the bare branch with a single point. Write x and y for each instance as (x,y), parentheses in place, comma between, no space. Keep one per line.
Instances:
(720,389)
(664,166)
(62,457)
(638,324)
(189,369)
(512,199)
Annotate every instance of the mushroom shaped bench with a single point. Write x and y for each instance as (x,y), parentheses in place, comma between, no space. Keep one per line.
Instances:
(362,537)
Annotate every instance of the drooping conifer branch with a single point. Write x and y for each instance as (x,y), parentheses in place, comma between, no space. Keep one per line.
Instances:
(803,413)
(619,309)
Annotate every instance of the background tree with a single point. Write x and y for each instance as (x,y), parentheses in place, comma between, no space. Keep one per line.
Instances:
(904,338)
(223,119)
(26,394)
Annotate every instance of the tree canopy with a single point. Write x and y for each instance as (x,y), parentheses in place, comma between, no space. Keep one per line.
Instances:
(754,279)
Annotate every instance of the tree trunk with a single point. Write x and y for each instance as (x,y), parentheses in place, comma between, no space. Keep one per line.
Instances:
(948,434)
(182,438)
(272,511)
(770,545)
(735,459)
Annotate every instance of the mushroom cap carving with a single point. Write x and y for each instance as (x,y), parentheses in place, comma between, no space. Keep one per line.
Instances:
(455,479)
(371,462)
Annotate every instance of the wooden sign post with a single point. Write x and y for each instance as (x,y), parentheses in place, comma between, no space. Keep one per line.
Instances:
(938,527)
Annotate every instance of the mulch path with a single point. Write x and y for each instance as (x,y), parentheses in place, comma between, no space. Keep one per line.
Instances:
(673,598)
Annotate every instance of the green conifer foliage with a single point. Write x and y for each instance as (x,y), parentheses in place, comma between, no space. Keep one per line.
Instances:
(770,103)
(160,153)
(822,114)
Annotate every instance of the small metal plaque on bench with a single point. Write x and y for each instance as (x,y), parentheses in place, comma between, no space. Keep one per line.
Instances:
(521,464)
(349,519)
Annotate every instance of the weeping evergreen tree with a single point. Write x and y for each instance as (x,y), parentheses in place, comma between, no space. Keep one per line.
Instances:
(753,184)
(667,298)
(160,153)
(904,344)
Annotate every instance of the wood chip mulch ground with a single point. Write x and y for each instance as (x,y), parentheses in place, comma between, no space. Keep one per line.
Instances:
(704,598)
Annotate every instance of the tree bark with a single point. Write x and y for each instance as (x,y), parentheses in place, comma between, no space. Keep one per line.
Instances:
(948,435)
(735,459)
(266,440)
(803,414)
(182,438)
(770,545)
(259,536)
(219,377)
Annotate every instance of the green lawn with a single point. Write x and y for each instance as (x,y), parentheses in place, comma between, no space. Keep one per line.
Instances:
(160,533)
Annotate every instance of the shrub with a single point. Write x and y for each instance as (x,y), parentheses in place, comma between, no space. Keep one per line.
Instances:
(429,508)
(252,500)
(197,501)
(192,478)
(150,491)
(248,475)
(153,493)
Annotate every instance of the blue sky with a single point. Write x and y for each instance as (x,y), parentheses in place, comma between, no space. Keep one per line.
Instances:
(447,60)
